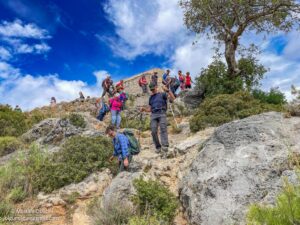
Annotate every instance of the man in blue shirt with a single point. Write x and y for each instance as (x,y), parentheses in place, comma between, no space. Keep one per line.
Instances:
(121,150)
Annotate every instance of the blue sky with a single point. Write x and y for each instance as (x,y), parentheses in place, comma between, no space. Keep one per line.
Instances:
(57,48)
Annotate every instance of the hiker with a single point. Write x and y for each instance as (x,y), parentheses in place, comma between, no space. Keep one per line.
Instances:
(154,78)
(115,109)
(53,102)
(102,108)
(120,85)
(143,84)
(165,76)
(107,85)
(173,84)
(123,97)
(188,81)
(81,96)
(121,148)
(18,109)
(181,80)
(158,107)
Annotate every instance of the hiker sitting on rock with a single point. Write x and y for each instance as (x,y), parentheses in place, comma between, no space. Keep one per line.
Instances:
(158,107)
(121,148)
(107,85)
(143,84)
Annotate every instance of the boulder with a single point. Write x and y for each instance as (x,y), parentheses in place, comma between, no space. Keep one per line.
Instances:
(242,163)
(193,98)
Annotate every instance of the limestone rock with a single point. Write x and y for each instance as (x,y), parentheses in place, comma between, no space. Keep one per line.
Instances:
(95,183)
(242,163)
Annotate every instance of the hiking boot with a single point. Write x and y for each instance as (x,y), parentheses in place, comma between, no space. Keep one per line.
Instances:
(158,150)
(165,148)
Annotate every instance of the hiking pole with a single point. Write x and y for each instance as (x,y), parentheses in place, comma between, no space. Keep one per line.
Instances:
(173,115)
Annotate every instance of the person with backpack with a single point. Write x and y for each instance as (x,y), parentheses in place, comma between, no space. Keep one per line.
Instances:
(107,85)
(143,84)
(115,109)
(121,148)
(158,105)
(154,78)
(181,80)
(173,84)
(102,108)
(165,77)
(188,81)
(123,97)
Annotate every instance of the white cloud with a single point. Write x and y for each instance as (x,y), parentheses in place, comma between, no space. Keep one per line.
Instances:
(35,49)
(4,54)
(145,27)
(17,29)
(29,91)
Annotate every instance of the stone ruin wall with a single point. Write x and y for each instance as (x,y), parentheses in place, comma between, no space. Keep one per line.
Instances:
(131,84)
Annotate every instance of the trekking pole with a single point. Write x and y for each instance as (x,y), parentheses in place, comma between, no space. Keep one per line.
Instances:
(173,115)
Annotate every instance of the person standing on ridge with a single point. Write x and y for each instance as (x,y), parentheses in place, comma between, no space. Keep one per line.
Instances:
(18,109)
(120,85)
(143,84)
(107,86)
(181,80)
(165,76)
(188,81)
(158,105)
(121,148)
(81,96)
(154,78)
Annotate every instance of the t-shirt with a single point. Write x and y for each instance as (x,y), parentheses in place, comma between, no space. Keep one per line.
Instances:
(158,102)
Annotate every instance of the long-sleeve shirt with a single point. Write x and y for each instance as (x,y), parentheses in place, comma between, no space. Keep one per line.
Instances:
(121,144)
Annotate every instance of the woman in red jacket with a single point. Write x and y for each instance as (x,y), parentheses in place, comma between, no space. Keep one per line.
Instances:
(188,81)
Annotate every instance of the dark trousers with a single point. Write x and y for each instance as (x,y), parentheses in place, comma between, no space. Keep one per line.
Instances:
(159,120)
(101,116)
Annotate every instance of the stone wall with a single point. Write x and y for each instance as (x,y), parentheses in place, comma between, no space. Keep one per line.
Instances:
(132,86)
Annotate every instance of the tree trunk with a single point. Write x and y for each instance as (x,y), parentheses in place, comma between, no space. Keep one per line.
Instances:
(230,49)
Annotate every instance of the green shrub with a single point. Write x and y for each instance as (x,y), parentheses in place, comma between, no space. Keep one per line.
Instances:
(79,157)
(286,211)
(35,117)
(144,220)
(77,120)
(5,209)
(215,80)
(227,107)
(71,199)
(274,96)
(12,123)
(117,213)
(153,197)
(17,195)
(9,145)
(142,124)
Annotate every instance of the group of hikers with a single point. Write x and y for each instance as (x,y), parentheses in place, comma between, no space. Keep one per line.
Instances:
(125,144)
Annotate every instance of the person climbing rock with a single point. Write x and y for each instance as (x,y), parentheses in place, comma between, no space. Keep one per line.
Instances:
(181,80)
(143,84)
(18,109)
(102,108)
(81,96)
(107,85)
(115,109)
(121,148)
(188,81)
(154,78)
(165,76)
(158,107)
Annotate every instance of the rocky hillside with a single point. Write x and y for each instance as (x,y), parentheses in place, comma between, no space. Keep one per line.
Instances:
(215,174)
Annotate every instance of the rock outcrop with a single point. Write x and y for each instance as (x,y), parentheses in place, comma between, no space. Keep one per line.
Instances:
(243,162)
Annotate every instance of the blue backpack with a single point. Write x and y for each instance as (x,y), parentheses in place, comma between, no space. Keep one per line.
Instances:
(105,109)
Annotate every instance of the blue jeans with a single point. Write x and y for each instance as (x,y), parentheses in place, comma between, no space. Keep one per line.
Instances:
(116,118)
